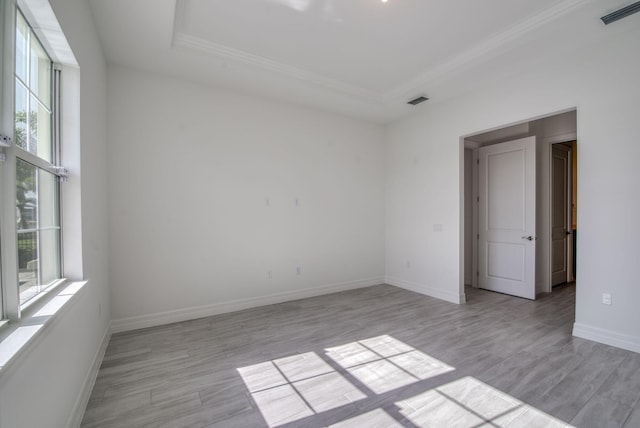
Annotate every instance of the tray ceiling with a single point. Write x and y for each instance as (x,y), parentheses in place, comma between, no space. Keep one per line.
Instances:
(360,57)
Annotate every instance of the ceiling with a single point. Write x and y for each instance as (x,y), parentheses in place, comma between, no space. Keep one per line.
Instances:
(363,58)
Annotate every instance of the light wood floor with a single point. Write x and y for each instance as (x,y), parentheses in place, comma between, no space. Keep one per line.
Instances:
(374,357)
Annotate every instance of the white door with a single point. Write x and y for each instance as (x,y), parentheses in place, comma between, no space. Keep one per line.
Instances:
(507,217)
(559,213)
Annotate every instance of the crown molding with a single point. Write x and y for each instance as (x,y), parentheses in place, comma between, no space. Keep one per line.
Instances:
(224,52)
(477,54)
(184,40)
(481,52)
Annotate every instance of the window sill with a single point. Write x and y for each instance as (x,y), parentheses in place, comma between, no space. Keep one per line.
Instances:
(26,307)
(17,338)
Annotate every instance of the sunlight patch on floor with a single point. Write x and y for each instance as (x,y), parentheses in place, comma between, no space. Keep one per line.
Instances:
(303,385)
(377,418)
(467,402)
(384,363)
(292,388)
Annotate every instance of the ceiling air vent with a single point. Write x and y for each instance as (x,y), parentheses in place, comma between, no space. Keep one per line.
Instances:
(418,100)
(621,13)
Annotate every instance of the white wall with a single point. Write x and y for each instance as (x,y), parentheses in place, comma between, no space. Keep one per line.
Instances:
(191,168)
(423,182)
(45,388)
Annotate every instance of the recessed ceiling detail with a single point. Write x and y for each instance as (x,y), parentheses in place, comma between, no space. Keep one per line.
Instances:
(194,20)
(225,52)
(364,58)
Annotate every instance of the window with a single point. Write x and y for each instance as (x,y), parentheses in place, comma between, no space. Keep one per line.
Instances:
(30,179)
(37,222)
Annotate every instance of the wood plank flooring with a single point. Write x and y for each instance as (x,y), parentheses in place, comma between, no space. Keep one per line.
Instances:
(374,357)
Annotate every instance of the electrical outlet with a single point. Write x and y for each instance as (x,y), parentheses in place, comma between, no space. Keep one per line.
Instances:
(437,228)
(298,270)
(408,264)
(606,298)
(270,274)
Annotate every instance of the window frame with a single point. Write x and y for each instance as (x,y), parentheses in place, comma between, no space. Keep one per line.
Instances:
(11,308)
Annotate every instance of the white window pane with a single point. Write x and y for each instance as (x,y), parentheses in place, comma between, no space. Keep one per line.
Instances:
(40,72)
(21,115)
(48,215)
(49,255)
(22,45)
(27,265)
(39,142)
(26,195)
(27,223)
(38,225)
(37,190)
(49,222)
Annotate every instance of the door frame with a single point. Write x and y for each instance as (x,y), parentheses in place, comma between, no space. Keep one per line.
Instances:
(559,139)
(463,143)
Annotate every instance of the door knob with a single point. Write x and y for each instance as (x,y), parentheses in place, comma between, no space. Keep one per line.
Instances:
(528,238)
(566,232)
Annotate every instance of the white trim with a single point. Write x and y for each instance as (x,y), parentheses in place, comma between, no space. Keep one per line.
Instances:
(151,320)
(475,189)
(486,49)
(608,337)
(51,288)
(42,19)
(550,141)
(469,144)
(562,138)
(477,54)
(462,219)
(12,347)
(427,290)
(182,40)
(75,418)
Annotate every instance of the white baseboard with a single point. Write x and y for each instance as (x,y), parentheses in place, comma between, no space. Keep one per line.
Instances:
(75,419)
(457,298)
(144,321)
(608,337)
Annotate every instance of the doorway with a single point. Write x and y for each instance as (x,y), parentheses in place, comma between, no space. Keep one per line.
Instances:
(558,129)
(563,212)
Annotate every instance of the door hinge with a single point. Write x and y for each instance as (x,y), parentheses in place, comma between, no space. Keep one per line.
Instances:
(478,199)
(478,161)
(478,273)
(478,236)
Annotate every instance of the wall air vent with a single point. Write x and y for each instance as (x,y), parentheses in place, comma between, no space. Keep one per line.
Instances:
(418,100)
(621,13)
